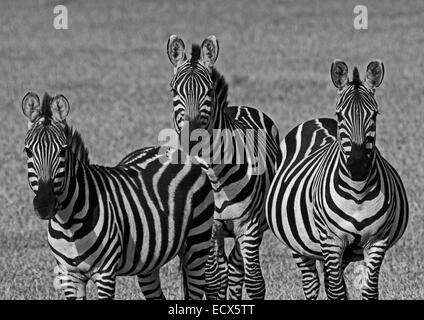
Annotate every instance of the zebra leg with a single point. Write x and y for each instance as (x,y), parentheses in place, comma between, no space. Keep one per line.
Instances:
(332,250)
(345,263)
(254,280)
(105,283)
(223,272)
(216,269)
(150,285)
(73,285)
(216,273)
(212,275)
(194,262)
(373,257)
(310,279)
(236,273)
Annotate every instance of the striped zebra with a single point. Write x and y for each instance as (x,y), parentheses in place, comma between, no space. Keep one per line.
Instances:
(201,108)
(125,220)
(334,197)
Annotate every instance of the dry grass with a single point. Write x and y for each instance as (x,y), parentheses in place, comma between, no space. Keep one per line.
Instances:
(112,66)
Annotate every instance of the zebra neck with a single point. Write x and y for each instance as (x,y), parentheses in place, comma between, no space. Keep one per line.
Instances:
(74,203)
(234,150)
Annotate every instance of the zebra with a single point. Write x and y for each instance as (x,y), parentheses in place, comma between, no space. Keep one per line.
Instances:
(334,197)
(125,220)
(200,104)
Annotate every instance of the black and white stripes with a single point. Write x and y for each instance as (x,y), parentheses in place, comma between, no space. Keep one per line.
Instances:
(240,159)
(334,197)
(110,221)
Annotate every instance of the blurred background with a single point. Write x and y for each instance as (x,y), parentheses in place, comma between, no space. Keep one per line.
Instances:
(112,66)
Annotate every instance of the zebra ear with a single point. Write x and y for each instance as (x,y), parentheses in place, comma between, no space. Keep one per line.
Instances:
(31,106)
(176,50)
(375,74)
(339,73)
(59,107)
(209,51)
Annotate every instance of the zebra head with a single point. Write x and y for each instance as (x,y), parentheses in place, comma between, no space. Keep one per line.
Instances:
(45,146)
(192,86)
(356,112)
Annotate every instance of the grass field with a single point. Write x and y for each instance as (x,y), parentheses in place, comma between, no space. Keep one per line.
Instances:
(112,66)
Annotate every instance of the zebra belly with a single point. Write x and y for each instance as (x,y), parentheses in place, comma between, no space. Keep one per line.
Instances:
(144,266)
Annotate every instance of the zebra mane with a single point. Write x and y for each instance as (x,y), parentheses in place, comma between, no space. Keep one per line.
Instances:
(45,110)
(356,81)
(195,53)
(220,87)
(76,144)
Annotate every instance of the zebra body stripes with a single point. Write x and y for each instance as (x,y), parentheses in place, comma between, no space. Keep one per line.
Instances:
(114,221)
(240,187)
(334,197)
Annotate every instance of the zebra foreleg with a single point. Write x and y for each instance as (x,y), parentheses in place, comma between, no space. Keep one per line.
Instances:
(216,271)
(332,250)
(150,285)
(310,278)
(212,275)
(373,256)
(73,285)
(223,272)
(105,283)
(254,280)
(345,263)
(236,273)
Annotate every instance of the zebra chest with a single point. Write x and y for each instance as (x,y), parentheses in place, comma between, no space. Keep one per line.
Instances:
(71,246)
(353,221)
(72,252)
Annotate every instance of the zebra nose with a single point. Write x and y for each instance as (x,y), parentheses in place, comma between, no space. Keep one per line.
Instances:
(358,153)
(192,121)
(45,202)
(358,162)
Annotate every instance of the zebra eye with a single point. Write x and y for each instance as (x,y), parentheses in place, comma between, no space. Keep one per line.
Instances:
(62,152)
(174,91)
(28,152)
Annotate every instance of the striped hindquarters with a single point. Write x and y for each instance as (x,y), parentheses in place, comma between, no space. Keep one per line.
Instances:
(290,198)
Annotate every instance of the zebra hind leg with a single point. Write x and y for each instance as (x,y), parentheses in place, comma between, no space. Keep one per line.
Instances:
(150,286)
(236,272)
(194,262)
(310,278)
(254,280)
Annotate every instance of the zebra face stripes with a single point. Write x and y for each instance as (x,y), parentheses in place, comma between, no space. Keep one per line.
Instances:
(45,146)
(356,112)
(192,86)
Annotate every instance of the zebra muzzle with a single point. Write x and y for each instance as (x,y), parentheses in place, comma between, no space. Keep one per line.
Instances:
(359,163)
(45,201)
